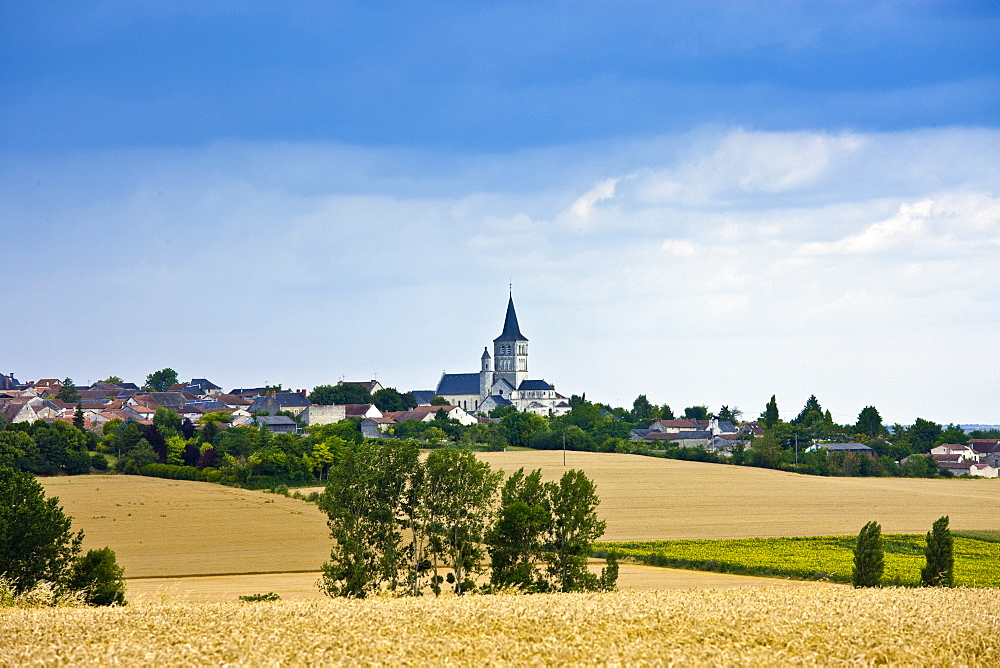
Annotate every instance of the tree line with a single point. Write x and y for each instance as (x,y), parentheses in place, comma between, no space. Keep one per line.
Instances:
(412,526)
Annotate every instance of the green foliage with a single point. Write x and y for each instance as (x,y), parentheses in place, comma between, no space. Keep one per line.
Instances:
(99,576)
(572,503)
(953,433)
(341,393)
(923,435)
(770,416)
(390,399)
(112,379)
(869,422)
(727,414)
(68,392)
(939,570)
(167,421)
(458,495)
(439,401)
(503,411)
(811,558)
(696,413)
(642,410)
(869,557)
(99,462)
(364,501)
(135,459)
(269,597)
(218,417)
(160,381)
(519,428)
(36,541)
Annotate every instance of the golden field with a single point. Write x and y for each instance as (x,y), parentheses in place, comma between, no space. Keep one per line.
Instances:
(177,529)
(813,625)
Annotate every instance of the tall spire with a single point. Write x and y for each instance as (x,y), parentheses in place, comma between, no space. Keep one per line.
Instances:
(511,331)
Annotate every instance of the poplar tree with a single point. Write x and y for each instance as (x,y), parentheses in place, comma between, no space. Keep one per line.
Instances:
(869,557)
(940,568)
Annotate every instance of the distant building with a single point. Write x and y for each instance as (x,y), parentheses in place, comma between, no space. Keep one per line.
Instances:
(503,377)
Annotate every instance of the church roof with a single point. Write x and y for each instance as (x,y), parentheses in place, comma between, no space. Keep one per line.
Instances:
(458,383)
(511,332)
(534,385)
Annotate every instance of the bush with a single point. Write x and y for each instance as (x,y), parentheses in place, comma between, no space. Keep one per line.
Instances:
(99,462)
(259,598)
(869,557)
(940,568)
(100,578)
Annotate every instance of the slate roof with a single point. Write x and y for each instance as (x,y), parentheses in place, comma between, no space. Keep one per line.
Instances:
(690,435)
(849,447)
(511,331)
(500,401)
(534,385)
(458,383)
(984,445)
(204,384)
(423,397)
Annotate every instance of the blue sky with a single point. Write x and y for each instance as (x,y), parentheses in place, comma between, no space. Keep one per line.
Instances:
(705,202)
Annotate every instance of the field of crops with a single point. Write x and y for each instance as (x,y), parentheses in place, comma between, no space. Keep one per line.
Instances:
(825,625)
(977,562)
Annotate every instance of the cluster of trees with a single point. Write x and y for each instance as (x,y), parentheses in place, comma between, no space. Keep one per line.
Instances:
(37,544)
(408,525)
(939,568)
(47,449)
(386,399)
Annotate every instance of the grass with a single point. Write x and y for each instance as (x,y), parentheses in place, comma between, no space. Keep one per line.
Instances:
(977,562)
(810,625)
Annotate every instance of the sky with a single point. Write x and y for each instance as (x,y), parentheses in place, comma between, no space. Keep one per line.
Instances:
(703,202)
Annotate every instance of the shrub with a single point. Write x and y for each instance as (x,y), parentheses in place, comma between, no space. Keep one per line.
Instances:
(258,598)
(99,577)
(869,557)
(940,568)
(99,462)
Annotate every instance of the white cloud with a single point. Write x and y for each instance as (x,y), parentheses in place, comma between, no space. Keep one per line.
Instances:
(721,268)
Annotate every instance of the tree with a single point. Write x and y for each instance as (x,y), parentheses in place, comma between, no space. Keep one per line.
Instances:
(642,410)
(68,392)
(940,568)
(112,379)
(167,422)
(162,380)
(869,556)
(459,492)
(36,541)
(811,413)
(516,542)
(439,401)
(519,428)
(696,413)
(365,504)
(340,394)
(390,399)
(78,419)
(770,416)
(727,414)
(953,433)
(99,576)
(869,422)
(572,503)
(923,434)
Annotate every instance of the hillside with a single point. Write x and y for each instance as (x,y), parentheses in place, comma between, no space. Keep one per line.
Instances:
(174,528)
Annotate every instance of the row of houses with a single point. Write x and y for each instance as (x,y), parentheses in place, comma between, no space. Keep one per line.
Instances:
(102,402)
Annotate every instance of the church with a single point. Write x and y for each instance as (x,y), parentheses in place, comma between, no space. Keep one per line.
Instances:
(503,378)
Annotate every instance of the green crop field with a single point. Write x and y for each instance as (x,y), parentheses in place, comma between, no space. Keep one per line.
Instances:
(977,562)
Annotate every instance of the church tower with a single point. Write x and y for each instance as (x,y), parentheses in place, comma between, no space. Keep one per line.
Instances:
(510,350)
(485,376)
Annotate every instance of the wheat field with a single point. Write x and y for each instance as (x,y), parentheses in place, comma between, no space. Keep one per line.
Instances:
(803,626)
(170,528)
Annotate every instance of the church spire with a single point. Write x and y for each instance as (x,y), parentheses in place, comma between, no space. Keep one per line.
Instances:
(511,331)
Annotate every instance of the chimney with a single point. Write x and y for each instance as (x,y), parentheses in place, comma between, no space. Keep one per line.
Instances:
(302,392)
(270,393)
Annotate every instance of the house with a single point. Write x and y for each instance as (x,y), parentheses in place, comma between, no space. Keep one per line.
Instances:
(692,439)
(316,414)
(984,471)
(277,424)
(8,382)
(203,386)
(675,426)
(274,402)
(361,411)
(370,428)
(985,446)
(491,402)
(859,448)
(428,413)
(963,452)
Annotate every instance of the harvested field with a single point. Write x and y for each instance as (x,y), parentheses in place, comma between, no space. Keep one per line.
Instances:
(171,527)
(179,528)
(302,586)
(809,625)
(647,498)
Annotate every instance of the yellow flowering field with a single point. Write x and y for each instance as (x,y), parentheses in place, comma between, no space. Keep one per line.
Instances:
(777,626)
(977,562)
